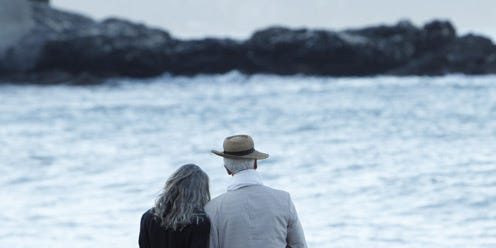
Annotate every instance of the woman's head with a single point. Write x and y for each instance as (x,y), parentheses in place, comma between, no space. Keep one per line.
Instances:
(182,200)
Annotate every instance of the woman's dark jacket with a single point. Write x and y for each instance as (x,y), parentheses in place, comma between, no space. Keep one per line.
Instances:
(153,235)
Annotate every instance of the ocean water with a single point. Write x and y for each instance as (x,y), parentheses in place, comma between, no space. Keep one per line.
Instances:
(369,162)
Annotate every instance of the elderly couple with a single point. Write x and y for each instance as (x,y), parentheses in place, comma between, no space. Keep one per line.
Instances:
(248,215)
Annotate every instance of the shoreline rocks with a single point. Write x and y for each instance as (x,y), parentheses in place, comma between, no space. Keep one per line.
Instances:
(15,22)
(67,47)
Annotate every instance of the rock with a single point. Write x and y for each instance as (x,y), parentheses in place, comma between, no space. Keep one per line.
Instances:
(41,1)
(368,51)
(284,51)
(49,24)
(469,54)
(66,47)
(204,56)
(111,48)
(15,22)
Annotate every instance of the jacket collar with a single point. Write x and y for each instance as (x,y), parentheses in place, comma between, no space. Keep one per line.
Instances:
(245,178)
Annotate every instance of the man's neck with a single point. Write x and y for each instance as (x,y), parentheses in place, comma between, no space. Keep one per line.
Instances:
(245,178)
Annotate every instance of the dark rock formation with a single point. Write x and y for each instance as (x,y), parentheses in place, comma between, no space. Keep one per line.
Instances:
(66,47)
(41,1)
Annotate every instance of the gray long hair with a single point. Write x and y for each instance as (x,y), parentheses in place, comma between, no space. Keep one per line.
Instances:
(185,194)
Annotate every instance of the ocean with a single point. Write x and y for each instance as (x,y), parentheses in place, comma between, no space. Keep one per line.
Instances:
(369,162)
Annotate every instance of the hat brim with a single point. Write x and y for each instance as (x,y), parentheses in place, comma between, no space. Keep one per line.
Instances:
(254,155)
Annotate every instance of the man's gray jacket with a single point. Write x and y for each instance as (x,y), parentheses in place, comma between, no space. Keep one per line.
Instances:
(254,216)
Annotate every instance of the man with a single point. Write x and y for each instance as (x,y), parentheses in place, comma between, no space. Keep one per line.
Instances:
(249,214)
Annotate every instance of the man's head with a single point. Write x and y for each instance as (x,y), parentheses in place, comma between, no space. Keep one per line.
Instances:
(240,154)
(234,166)
(240,147)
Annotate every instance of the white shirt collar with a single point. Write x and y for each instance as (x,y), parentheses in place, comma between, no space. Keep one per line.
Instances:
(245,178)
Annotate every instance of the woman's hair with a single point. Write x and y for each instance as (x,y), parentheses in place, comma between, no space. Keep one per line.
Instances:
(185,194)
(237,165)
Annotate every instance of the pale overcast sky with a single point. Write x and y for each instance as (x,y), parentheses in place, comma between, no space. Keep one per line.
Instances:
(239,18)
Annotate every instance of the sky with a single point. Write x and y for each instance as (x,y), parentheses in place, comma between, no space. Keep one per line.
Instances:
(239,18)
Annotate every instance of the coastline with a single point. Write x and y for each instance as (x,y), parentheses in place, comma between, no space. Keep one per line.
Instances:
(67,47)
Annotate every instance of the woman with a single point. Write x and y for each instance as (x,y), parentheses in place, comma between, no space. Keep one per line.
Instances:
(178,219)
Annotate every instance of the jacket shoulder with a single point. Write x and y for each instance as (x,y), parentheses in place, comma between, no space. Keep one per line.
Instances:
(147,215)
(260,190)
(276,193)
(212,204)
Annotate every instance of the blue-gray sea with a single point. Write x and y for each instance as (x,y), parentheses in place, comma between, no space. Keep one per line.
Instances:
(369,162)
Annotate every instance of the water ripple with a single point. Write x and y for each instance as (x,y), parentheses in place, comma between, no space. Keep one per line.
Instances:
(369,162)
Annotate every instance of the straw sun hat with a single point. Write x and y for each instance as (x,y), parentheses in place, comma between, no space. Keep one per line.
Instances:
(240,147)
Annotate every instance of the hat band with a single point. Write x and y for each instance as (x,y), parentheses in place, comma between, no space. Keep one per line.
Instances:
(241,153)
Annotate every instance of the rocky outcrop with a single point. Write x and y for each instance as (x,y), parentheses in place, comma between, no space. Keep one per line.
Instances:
(67,47)
(41,1)
(15,22)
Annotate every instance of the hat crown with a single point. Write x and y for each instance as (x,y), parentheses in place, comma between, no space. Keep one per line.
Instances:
(240,147)
(238,143)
